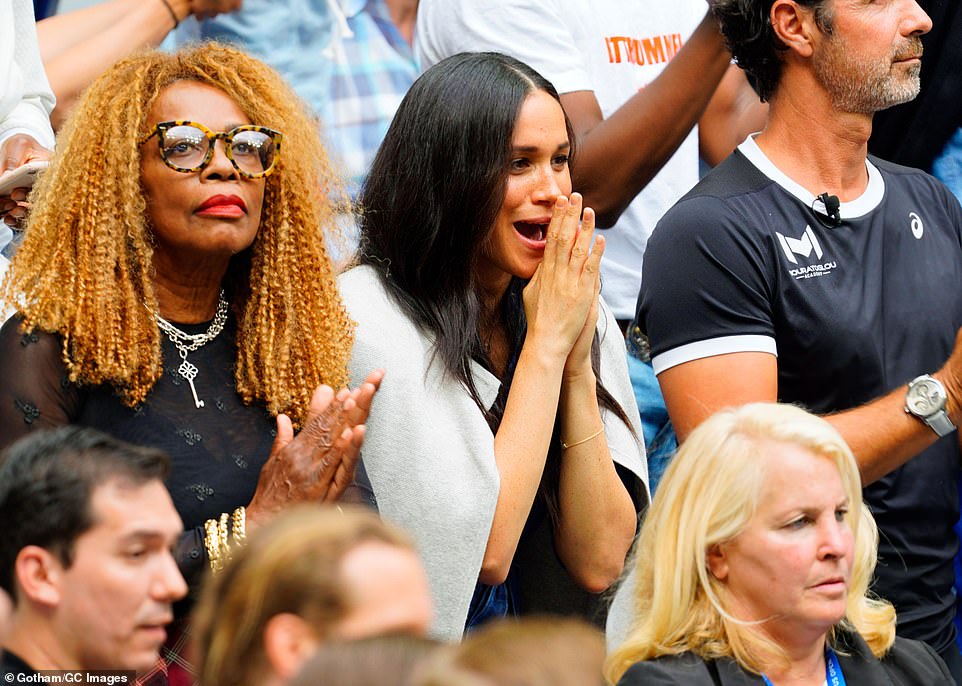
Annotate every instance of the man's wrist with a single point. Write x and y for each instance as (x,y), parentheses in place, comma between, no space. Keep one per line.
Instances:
(944,420)
(953,395)
(177,10)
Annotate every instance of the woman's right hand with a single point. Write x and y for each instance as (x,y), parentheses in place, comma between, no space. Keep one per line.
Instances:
(318,463)
(559,297)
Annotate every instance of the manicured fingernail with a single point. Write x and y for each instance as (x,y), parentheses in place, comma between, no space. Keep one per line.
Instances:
(561,201)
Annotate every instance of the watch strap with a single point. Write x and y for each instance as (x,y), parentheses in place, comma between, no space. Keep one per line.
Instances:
(940,423)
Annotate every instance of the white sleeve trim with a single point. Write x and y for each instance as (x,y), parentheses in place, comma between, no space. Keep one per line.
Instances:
(712,347)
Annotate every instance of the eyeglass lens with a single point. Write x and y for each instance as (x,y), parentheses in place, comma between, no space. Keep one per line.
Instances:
(186,147)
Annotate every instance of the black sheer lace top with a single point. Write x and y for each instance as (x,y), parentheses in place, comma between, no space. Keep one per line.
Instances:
(216,451)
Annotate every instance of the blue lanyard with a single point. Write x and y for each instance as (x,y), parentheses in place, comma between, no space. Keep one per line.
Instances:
(833,671)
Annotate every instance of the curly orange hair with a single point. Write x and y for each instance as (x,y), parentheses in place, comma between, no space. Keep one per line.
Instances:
(84,267)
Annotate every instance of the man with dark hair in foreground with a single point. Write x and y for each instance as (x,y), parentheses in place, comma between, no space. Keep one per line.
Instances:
(85,553)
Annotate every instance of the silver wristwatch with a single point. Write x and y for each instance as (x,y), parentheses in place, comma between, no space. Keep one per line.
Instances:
(926,400)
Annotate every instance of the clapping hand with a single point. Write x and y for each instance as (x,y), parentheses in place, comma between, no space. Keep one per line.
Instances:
(318,463)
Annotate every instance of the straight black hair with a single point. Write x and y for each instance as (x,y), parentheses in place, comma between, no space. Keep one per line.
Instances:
(434,191)
(431,200)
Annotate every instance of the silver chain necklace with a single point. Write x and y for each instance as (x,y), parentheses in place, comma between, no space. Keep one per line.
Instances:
(186,342)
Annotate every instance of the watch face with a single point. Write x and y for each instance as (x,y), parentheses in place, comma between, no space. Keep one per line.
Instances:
(925,398)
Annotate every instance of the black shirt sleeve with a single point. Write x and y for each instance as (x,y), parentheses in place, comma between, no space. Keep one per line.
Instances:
(34,389)
(705,276)
(35,393)
(676,670)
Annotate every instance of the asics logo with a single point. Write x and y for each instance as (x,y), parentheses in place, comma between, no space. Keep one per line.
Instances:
(917,227)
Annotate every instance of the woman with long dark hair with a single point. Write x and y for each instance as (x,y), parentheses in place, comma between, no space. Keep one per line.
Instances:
(505,436)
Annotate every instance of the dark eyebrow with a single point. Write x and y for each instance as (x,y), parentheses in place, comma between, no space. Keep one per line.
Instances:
(528,149)
(143,536)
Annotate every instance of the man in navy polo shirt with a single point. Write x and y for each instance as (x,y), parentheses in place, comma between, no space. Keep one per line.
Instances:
(803,270)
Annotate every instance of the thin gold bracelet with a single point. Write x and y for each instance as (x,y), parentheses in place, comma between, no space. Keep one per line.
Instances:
(565,446)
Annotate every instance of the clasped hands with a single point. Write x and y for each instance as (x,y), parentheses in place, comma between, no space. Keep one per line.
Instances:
(561,300)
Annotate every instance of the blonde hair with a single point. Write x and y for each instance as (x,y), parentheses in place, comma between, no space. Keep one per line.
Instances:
(533,651)
(291,565)
(83,270)
(707,497)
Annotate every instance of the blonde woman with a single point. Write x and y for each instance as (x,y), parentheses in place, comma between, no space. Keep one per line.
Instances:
(174,290)
(754,564)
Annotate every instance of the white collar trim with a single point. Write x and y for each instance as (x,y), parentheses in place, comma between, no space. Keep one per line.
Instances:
(862,205)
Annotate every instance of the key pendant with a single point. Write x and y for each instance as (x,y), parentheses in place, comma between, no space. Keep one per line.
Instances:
(189,371)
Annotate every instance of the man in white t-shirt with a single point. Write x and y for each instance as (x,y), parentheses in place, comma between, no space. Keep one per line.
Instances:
(25,104)
(635,79)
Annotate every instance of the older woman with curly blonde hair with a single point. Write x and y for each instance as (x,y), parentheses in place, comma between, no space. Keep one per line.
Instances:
(754,562)
(173,288)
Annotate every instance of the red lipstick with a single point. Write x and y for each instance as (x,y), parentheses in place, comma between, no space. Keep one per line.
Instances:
(222,206)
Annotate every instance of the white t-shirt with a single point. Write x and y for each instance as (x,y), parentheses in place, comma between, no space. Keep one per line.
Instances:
(25,96)
(610,47)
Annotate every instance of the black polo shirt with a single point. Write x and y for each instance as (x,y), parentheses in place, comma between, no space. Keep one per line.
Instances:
(747,262)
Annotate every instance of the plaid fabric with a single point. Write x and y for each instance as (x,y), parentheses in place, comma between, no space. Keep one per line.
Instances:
(8,245)
(173,667)
(344,57)
(372,69)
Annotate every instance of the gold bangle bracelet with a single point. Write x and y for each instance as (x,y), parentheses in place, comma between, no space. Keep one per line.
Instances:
(222,536)
(565,446)
(239,526)
(216,538)
(212,544)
